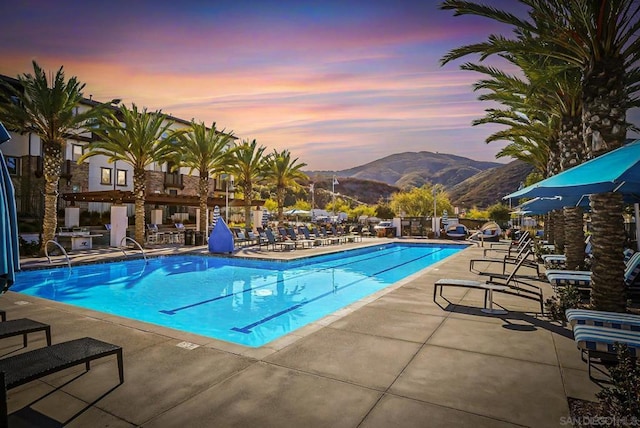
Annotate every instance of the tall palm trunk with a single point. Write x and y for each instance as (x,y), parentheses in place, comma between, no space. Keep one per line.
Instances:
(603,110)
(573,154)
(604,119)
(203,190)
(139,189)
(558,231)
(608,291)
(52,168)
(574,237)
(280,191)
(553,162)
(548,228)
(247,189)
(572,147)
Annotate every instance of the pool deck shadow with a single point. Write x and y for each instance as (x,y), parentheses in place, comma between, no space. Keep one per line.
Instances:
(394,359)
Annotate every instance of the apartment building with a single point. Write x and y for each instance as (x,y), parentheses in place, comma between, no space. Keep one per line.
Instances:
(96,184)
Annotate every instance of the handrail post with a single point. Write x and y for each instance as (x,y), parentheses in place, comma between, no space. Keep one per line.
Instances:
(46,251)
(122,247)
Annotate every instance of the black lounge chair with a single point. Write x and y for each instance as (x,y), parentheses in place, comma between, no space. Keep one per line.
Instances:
(511,284)
(24,368)
(23,326)
(271,240)
(523,254)
(304,243)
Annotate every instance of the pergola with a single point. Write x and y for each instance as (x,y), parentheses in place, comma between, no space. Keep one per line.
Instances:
(127,197)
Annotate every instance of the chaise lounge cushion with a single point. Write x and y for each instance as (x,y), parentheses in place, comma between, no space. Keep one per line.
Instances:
(603,319)
(603,339)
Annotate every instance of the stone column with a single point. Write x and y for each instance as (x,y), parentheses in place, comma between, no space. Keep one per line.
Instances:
(156,217)
(72,217)
(257,219)
(119,224)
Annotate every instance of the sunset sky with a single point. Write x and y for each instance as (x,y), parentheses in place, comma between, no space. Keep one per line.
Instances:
(339,83)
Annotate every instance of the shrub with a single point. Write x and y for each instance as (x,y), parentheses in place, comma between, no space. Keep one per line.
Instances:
(28,248)
(539,250)
(620,403)
(566,298)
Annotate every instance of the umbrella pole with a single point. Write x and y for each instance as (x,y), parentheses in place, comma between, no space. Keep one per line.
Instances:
(636,208)
(4,415)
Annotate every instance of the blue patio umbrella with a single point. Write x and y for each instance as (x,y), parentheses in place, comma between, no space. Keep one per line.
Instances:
(9,246)
(616,171)
(542,205)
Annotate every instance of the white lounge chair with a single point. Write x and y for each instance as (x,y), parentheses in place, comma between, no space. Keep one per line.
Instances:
(598,344)
(583,278)
(621,321)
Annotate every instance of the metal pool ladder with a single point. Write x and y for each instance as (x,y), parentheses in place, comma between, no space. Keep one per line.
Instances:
(46,251)
(122,247)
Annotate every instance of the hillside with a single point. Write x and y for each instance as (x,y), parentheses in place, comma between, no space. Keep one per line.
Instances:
(414,169)
(488,187)
(367,191)
(468,182)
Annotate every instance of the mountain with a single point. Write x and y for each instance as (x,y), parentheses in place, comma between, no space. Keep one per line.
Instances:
(415,169)
(468,182)
(367,191)
(488,187)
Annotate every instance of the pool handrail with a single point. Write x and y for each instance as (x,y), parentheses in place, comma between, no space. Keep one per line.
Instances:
(122,247)
(46,251)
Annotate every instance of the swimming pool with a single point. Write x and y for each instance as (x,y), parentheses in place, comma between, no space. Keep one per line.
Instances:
(244,301)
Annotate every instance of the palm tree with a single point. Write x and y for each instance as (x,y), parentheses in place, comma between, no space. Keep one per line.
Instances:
(48,108)
(137,138)
(247,164)
(206,150)
(599,38)
(283,172)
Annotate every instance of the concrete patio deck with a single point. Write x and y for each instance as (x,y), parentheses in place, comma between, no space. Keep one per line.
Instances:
(396,359)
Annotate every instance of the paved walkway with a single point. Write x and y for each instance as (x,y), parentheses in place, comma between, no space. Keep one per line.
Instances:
(397,359)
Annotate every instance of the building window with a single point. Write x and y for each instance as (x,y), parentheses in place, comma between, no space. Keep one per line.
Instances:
(105,175)
(76,151)
(121,179)
(13,164)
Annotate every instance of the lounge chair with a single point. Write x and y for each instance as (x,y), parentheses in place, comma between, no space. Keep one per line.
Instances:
(632,260)
(508,285)
(22,327)
(559,260)
(598,344)
(524,254)
(352,235)
(489,232)
(617,320)
(153,234)
(271,241)
(252,237)
(514,249)
(239,239)
(335,233)
(304,243)
(524,236)
(333,239)
(583,278)
(23,368)
(307,235)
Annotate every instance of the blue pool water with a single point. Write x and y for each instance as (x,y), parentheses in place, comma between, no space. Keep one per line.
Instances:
(249,302)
